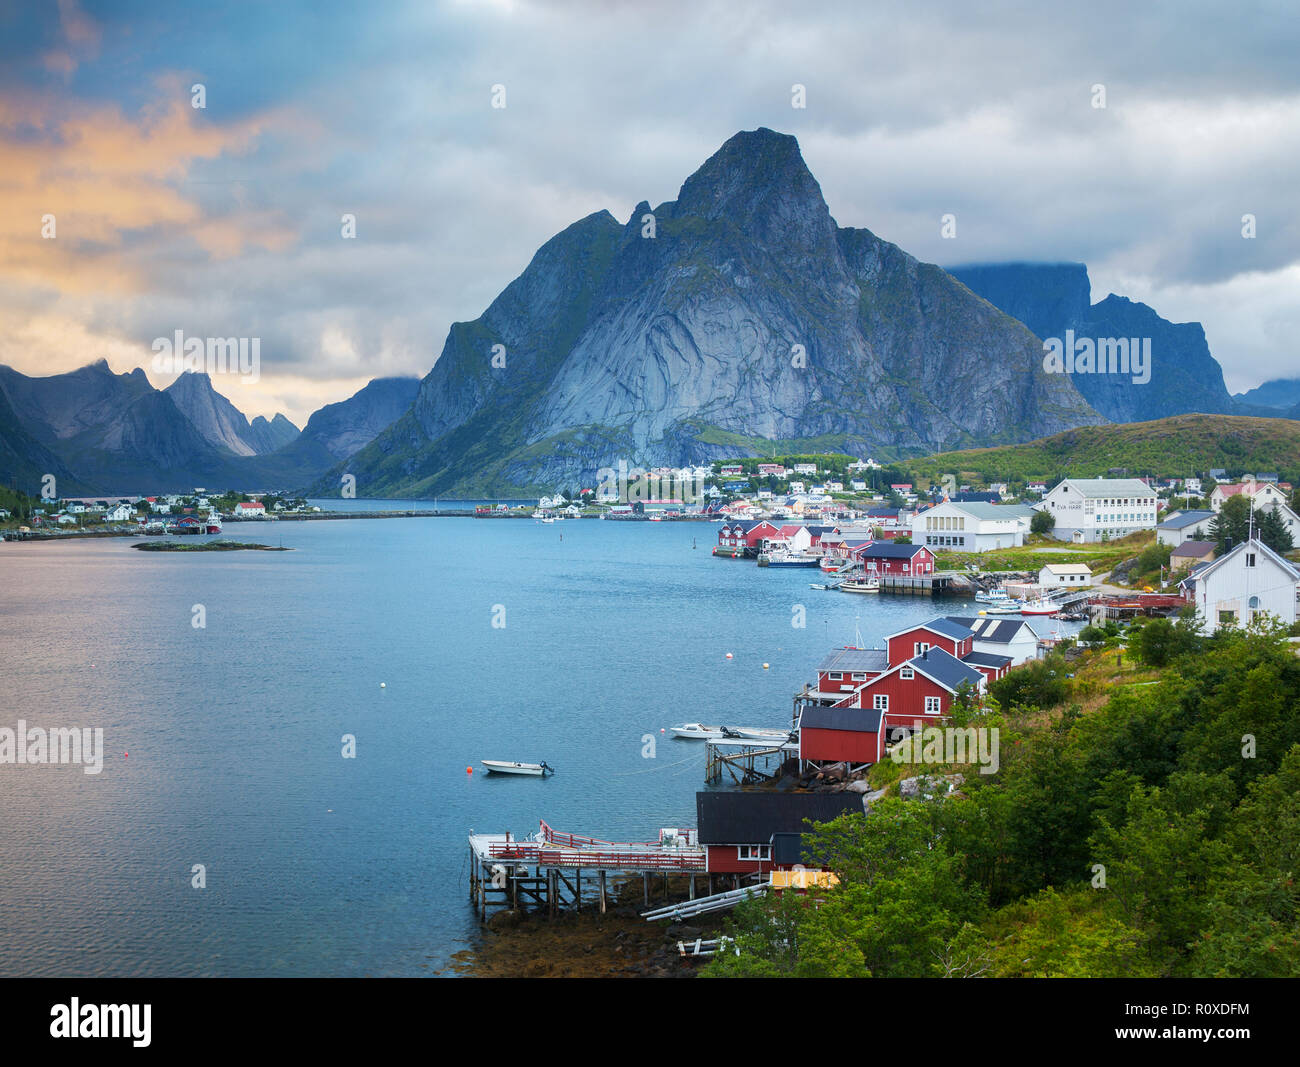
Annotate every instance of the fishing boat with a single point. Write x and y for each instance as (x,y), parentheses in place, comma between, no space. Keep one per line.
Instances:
(859,585)
(783,557)
(537,770)
(996,597)
(213,523)
(695,731)
(1039,607)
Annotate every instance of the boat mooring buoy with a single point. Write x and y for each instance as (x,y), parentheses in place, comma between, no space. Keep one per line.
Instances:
(469,770)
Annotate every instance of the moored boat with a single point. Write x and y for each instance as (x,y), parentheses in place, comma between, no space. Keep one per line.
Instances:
(696,731)
(859,585)
(536,770)
(760,733)
(1039,607)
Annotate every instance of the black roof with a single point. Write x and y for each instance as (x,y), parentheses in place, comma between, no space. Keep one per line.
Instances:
(985,659)
(976,498)
(945,668)
(855,720)
(753,818)
(991,629)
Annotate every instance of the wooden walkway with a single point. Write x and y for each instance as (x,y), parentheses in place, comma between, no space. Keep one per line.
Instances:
(546,870)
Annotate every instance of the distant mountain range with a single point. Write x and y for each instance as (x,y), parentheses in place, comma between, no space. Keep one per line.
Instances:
(739,316)
(101,432)
(1277,394)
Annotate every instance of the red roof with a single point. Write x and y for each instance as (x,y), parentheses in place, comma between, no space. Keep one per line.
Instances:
(254,504)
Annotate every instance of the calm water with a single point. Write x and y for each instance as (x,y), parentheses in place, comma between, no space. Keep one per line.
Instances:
(223,744)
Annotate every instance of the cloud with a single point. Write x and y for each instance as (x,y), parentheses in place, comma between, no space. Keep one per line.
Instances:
(226,222)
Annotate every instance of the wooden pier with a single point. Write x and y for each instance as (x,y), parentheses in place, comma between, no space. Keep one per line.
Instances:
(917,584)
(741,759)
(545,871)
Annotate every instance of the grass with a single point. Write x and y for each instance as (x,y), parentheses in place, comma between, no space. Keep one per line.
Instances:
(1100,556)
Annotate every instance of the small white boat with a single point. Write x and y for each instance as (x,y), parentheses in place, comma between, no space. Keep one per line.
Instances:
(760,733)
(1040,607)
(997,597)
(696,731)
(859,585)
(537,770)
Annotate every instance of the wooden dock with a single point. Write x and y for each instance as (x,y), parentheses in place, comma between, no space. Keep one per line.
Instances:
(545,871)
(741,759)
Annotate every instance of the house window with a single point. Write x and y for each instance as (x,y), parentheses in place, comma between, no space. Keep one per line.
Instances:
(859,676)
(755,852)
(907,674)
(1250,559)
(921,648)
(1227,618)
(837,676)
(880,702)
(932,706)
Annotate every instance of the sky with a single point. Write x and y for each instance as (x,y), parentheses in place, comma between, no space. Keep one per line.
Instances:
(227,220)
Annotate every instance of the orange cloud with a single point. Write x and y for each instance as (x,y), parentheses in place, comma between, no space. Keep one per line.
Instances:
(103,176)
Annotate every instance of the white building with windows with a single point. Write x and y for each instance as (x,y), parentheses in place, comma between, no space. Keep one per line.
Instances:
(1100,509)
(971,526)
(1243,584)
(1065,576)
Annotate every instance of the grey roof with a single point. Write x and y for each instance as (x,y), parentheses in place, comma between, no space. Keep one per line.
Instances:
(855,659)
(1184,519)
(726,818)
(994,511)
(889,550)
(985,659)
(1102,487)
(944,668)
(854,720)
(948,627)
(1194,549)
(994,630)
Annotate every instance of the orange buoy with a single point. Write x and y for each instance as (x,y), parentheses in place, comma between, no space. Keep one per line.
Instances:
(728,655)
(469,770)
(764,666)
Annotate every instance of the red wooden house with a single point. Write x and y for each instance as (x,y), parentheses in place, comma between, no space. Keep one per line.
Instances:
(845,669)
(841,735)
(746,533)
(738,830)
(917,689)
(893,559)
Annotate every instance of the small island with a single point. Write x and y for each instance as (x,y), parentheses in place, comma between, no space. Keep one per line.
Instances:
(206,546)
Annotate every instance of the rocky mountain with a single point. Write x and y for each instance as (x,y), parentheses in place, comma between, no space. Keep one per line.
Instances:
(224,425)
(1051,298)
(739,311)
(101,432)
(345,428)
(24,461)
(114,432)
(268,436)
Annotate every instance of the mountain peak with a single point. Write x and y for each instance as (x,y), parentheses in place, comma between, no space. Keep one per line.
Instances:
(752,170)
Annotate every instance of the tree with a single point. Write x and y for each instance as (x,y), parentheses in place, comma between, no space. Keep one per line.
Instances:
(1043,522)
(1272,531)
(1232,523)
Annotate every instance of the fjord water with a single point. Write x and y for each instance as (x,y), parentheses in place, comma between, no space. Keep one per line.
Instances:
(223,743)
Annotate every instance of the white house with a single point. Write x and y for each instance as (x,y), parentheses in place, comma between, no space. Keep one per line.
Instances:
(971,527)
(1182,526)
(1065,576)
(1249,581)
(253,510)
(1192,486)
(121,513)
(1099,509)
(1001,637)
(1261,492)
